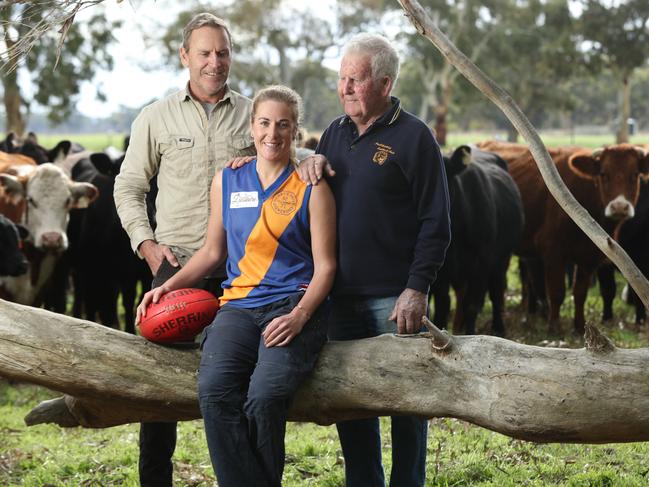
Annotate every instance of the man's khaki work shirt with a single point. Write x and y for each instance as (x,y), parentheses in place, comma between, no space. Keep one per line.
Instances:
(174,139)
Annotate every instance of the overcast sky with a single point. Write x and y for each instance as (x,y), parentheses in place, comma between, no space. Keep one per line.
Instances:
(128,83)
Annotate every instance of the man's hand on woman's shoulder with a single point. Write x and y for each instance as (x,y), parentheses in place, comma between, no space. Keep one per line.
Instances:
(238,162)
(313,167)
(310,169)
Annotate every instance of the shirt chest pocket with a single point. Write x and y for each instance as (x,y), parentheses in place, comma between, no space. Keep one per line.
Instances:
(229,146)
(177,152)
(240,145)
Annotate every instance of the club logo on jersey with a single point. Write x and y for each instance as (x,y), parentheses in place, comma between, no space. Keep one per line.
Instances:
(382,153)
(284,202)
(244,199)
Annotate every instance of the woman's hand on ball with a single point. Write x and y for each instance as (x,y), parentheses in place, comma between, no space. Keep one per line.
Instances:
(152,296)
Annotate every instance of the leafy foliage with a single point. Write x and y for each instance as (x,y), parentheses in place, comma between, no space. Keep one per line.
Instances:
(268,38)
(556,61)
(618,34)
(618,37)
(535,55)
(272,43)
(56,79)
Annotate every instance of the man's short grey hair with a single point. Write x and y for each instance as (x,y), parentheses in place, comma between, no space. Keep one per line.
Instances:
(204,19)
(383,57)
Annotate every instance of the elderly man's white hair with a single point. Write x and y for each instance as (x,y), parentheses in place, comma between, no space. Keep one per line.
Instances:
(384,58)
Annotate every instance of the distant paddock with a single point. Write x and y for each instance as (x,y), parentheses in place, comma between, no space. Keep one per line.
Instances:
(98,142)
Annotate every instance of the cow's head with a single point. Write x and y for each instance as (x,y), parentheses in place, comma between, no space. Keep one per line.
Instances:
(31,148)
(457,162)
(105,165)
(616,171)
(48,195)
(8,144)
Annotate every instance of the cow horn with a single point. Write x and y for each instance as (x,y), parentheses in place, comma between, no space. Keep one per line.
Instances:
(641,151)
(597,152)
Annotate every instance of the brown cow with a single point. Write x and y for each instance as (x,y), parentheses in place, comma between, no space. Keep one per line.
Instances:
(8,160)
(506,150)
(40,198)
(606,183)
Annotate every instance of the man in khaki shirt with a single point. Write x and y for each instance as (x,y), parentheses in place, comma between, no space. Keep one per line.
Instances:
(182,139)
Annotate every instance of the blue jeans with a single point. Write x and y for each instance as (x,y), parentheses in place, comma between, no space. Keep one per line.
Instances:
(245,388)
(358,317)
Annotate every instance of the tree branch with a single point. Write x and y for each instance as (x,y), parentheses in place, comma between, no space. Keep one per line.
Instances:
(60,15)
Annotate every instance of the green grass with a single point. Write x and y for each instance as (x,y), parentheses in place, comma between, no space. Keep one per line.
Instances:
(98,142)
(459,454)
(93,142)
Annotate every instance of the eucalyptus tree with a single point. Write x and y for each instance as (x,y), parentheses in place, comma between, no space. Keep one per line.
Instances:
(273,42)
(472,25)
(55,66)
(535,57)
(318,86)
(616,36)
(270,38)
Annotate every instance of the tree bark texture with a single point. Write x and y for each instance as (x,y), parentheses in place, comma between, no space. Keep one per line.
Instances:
(624,96)
(597,394)
(425,26)
(13,103)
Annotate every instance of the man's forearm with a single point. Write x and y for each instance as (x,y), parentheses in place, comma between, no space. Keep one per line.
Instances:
(131,209)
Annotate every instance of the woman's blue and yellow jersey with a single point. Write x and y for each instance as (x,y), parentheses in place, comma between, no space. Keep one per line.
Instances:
(268,237)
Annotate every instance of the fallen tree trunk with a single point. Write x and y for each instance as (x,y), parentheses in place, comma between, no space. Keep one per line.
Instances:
(597,394)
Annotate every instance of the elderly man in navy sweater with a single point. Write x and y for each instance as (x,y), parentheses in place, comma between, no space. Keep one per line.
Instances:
(388,179)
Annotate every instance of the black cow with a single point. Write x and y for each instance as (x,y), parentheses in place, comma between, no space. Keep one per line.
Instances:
(633,237)
(12,260)
(103,264)
(486,225)
(31,148)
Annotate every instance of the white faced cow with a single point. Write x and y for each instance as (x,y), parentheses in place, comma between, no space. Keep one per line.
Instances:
(40,198)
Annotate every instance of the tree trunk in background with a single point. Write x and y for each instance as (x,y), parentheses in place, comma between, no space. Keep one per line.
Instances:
(441,111)
(424,109)
(440,124)
(13,102)
(284,65)
(622,135)
(512,134)
(597,394)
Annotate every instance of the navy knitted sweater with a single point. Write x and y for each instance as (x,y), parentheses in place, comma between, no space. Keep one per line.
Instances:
(391,202)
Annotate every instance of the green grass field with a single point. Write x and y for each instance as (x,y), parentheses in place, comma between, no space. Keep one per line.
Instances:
(93,142)
(459,454)
(98,142)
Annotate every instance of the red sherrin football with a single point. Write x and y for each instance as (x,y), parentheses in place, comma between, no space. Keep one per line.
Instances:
(179,316)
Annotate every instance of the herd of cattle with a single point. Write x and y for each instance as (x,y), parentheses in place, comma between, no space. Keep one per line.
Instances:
(59,230)
(61,202)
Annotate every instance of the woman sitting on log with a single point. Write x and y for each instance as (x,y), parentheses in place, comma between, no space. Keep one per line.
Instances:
(265,339)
